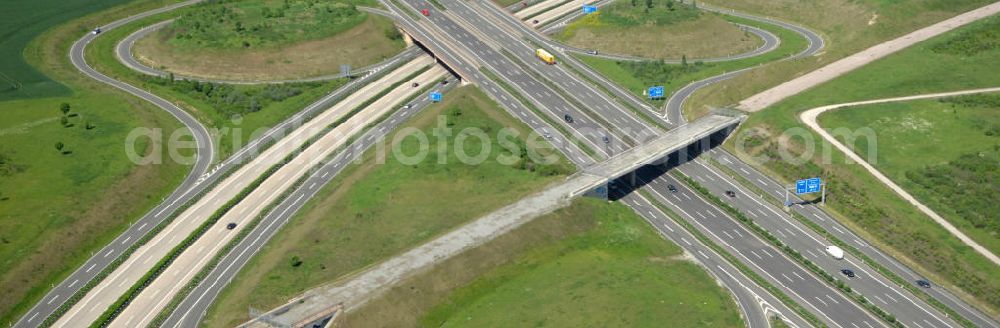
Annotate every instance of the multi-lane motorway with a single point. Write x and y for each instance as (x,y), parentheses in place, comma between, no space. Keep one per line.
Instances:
(192,187)
(493,49)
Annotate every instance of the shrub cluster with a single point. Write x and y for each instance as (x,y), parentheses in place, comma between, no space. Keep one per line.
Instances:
(231,99)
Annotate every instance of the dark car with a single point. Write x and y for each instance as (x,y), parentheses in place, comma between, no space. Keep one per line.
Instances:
(231,226)
(444,81)
(730,193)
(97,31)
(671,188)
(534,21)
(923,283)
(569,119)
(415,84)
(606,140)
(848,272)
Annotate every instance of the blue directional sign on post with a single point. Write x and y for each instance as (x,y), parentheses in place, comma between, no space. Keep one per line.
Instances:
(655,92)
(589,9)
(435,96)
(808,186)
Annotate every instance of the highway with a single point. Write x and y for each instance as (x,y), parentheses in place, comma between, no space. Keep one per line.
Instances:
(842,306)
(499,32)
(154,297)
(204,157)
(192,308)
(495,43)
(873,285)
(107,290)
(816,215)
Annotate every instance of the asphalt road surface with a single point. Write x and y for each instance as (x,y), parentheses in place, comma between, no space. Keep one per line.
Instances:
(193,307)
(191,188)
(827,303)
(815,214)
(153,298)
(205,154)
(899,302)
(95,301)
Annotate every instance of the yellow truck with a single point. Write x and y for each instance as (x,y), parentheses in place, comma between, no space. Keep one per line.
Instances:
(545,56)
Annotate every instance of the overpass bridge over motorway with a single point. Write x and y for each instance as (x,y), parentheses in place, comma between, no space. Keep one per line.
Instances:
(315,307)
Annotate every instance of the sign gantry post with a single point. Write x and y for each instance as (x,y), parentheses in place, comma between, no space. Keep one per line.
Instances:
(807,186)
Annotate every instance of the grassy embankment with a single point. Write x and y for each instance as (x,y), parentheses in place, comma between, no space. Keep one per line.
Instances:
(847,26)
(371,212)
(668,30)
(638,76)
(963,59)
(591,264)
(58,206)
(271,40)
(237,112)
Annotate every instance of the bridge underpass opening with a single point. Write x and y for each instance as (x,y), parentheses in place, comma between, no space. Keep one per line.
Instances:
(437,59)
(627,183)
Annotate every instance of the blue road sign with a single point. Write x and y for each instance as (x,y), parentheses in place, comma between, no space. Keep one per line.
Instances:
(655,92)
(435,96)
(808,186)
(589,9)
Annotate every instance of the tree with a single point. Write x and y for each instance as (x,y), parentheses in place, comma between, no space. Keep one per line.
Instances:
(296,261)
(670,5)
(59,145)
(64,121)
(649,4)
(694,4)
(684,60)
(64,107)
(635,3)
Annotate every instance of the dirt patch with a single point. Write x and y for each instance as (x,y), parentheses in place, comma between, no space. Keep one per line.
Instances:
(362,45)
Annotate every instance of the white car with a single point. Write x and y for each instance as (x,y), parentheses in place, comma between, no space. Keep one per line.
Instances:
(97,31)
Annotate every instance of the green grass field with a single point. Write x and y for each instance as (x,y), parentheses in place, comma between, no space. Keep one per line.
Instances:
(270,40)
(242,112)
(56,208)
(658,32)
(22,21)
(944,153)
(593,263)
(638,76)
(937,65)
(372,211)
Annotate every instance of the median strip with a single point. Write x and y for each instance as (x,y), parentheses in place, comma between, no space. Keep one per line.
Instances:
(792,253)
(875,265)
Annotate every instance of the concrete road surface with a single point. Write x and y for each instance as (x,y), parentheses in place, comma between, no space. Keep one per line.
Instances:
(105,293)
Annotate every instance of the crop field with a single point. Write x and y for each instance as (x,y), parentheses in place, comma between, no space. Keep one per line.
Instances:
(591,264)
(67,188)
(666,29)
(270,40)
(966,58)
(373,211)
(22,21)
